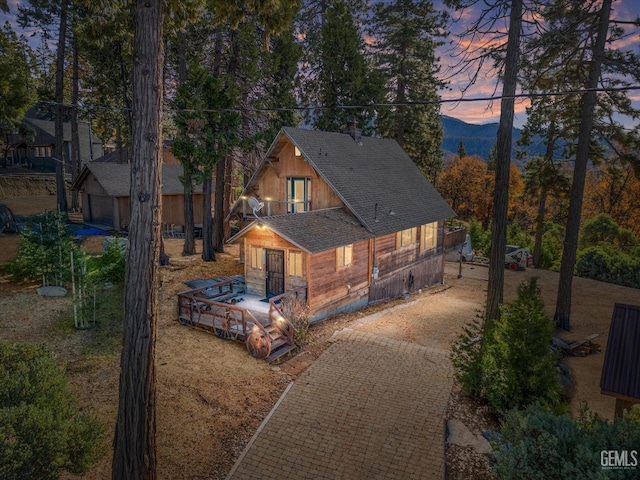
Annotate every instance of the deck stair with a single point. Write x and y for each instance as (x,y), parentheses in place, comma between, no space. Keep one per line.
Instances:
(215,308)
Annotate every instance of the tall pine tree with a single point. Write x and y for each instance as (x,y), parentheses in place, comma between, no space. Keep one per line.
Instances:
(405,35)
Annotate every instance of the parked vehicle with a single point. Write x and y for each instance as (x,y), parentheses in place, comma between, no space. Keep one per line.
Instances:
(517,258)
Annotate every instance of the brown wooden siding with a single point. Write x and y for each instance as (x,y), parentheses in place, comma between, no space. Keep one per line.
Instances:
(425,273)
(271,185)
(406,268)
(327,283)
(256,279)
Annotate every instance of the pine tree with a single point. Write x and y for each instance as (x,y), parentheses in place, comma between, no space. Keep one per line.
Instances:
(345,78)
(406,34)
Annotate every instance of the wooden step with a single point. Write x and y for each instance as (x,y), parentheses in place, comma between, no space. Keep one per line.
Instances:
(279,352)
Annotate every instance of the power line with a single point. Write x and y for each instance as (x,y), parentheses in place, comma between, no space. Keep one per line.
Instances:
(491,98)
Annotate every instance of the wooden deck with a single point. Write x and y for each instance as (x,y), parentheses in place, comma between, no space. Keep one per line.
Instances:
(220,306)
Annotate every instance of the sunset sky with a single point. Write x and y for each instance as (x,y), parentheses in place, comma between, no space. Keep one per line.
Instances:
(480,111)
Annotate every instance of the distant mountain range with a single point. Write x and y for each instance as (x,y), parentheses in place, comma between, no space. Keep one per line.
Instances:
(477,139)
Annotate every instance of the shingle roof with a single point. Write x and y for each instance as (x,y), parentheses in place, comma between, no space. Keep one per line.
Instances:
(314,231)
(115,178)
(375,178)
(621,367)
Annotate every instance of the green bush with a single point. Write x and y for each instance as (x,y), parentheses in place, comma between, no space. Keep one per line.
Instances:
(42,432)
(480,238)
(537,445)
(466,357)
(552,244)
(606,264)
(45,250)
(512,366)
(108,267)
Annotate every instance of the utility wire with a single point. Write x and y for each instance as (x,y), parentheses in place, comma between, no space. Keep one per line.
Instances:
(441,101)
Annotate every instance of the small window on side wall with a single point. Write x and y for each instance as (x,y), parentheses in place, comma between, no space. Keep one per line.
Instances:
(344,256)
(406,237)
(295,264)
(256,257)
(429,236)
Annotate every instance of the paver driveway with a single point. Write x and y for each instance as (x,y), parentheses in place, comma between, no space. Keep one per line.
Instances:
(368,408)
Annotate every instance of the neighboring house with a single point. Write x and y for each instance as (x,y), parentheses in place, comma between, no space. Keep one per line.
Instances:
(37,152)
(351,219)
(105,185)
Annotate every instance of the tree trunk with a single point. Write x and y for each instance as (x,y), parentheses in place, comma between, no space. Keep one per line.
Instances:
(134,455)
(563,302)
(539,221)
(218,206)
(545,177)
(61,193)
(503,162)
(75,137)
(208,252)
(189,247)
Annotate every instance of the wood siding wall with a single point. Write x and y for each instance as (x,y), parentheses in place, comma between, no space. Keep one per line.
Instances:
(255,278)
(396,266)
(329,284)
(271,186)
(423,273)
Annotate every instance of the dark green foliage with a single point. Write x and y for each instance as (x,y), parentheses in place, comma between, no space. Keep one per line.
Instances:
(552,247)
(517,365)
(608,253)
(108,267)
(466,356)
(542,445)
(405,36)
(512,366)
(480,238)
(518,236)
(45,250)
(42,432)
(344,78)
(16,81)
(608,265)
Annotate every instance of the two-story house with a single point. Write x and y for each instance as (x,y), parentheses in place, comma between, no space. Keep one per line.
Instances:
(36,150)
(350,218)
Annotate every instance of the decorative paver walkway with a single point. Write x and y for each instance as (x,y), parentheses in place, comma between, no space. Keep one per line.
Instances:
(368,408)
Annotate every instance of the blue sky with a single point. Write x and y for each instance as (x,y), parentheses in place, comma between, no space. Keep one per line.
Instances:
(481,111)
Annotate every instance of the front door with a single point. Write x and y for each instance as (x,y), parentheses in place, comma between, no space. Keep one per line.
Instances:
(275,272)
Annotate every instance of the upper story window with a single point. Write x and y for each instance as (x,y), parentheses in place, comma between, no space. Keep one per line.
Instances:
(407,237)
(298,194)
(429,236)
(344,256)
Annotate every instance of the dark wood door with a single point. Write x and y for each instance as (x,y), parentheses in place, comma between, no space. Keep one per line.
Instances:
(275,272)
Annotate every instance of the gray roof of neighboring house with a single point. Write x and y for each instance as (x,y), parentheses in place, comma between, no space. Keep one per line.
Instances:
(115,178)
(44,125)
(374,177)
(621,366)
(314,231)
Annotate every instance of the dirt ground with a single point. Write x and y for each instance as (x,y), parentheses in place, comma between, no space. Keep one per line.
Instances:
(212,395)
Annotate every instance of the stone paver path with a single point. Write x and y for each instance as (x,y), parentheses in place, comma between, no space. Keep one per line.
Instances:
(368,408)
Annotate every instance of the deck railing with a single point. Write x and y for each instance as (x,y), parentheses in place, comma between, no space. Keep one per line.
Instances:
(277,207)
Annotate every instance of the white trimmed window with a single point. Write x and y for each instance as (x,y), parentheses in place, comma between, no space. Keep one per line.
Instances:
(406,237)
(257,254)
(344,256)
(429,236)
(295,264)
